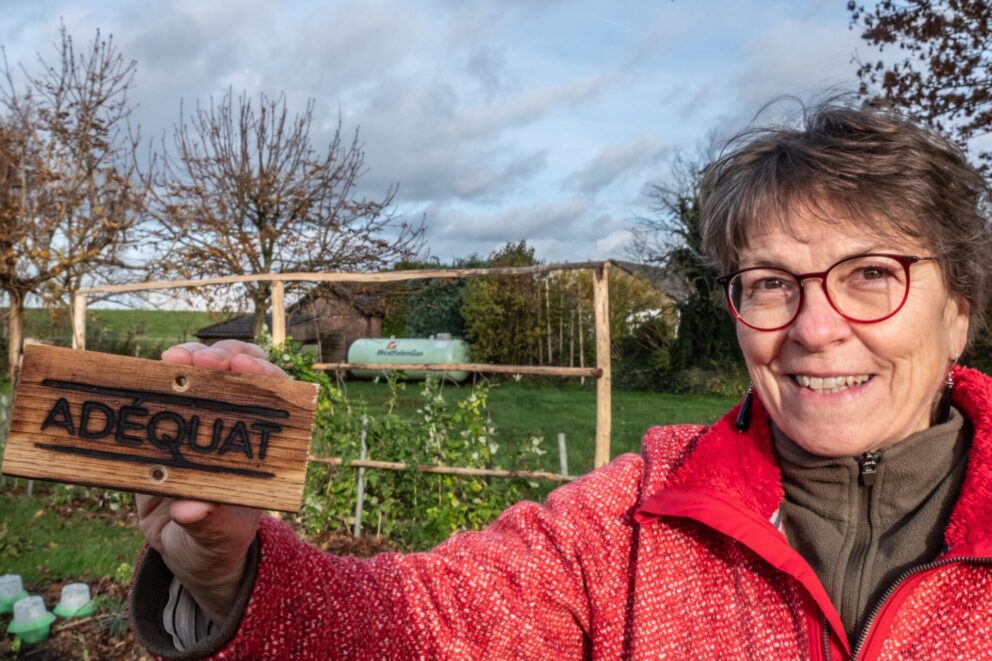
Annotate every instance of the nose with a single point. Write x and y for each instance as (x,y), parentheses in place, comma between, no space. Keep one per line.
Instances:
(818,324)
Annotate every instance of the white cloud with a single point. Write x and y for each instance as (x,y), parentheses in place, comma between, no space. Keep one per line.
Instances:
(560,218)
(615,162)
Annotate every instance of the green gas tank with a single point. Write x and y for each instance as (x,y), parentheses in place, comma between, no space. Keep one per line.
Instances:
(401,351)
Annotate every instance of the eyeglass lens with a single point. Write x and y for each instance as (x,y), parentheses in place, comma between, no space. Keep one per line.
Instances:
(867,288)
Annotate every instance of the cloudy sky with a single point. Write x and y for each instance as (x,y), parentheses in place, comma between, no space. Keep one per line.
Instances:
(500,120)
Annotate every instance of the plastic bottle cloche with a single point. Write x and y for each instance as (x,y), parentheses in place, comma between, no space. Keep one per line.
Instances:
(75,601)
(32,621)
(11,591)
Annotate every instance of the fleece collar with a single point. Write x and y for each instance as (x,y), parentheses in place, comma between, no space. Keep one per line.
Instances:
(742,468)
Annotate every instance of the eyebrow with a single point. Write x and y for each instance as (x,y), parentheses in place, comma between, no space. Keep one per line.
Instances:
(773,264)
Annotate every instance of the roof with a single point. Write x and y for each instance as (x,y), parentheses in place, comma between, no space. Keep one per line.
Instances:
(657,276)
(364,297)
(242,326)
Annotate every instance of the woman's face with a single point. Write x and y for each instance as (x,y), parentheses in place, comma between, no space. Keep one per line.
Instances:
(902,361)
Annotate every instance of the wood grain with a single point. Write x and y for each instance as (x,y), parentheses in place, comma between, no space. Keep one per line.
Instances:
(142,425)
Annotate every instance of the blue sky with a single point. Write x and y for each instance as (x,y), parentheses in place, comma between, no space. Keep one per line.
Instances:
(500,120)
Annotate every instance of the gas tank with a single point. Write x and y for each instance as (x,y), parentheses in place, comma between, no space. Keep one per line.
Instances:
(401,351)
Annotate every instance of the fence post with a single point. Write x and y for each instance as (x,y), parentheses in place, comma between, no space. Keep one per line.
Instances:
(601,307)
(360,498)
(78,321)
(277,293)
(562,454)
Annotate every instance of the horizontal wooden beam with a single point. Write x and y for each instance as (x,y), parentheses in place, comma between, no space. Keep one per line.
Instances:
(387,276)
(536,370)
(443,470)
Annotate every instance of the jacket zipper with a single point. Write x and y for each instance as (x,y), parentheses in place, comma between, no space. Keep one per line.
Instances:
(912,571)
(867,472)
(868,462)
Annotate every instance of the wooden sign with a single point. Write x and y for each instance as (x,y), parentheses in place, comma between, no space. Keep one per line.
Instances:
(143,425)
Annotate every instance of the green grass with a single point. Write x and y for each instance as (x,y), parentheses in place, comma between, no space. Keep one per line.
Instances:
(523,410)
(172,325)
(147,332)
(40,545)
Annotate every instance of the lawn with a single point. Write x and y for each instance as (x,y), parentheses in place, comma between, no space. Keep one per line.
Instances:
(148,330)
(46,537)
(523,410)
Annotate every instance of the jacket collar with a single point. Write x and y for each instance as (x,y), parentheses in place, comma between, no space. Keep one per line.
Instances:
(742,468)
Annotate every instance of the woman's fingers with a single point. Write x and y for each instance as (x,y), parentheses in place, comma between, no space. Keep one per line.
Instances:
(226,355)
(182,354)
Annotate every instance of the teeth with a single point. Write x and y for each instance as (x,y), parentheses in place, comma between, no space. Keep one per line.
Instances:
(830,383)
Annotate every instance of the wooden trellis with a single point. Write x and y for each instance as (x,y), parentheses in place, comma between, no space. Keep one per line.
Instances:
(601,372)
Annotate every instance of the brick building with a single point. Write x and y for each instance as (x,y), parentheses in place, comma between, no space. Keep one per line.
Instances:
(328,318)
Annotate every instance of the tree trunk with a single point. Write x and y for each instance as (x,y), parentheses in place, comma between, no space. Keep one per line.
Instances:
(15,334)
(260,297)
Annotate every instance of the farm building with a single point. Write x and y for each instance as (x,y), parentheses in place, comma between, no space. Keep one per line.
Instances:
(328,318)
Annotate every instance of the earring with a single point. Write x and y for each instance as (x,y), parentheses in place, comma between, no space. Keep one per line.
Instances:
(943,413)
(744,414)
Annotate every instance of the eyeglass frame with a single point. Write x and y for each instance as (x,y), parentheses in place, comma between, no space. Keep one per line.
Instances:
(905,260)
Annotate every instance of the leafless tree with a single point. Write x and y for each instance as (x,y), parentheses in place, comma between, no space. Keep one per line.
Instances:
(943,68)
(244,191)
(73,192)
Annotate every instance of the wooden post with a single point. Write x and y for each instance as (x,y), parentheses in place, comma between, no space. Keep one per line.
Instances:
(360,497)
(15,338)
(278,313)
(601,307)
(79,321)
(547,298)
(582,341)
(562,454)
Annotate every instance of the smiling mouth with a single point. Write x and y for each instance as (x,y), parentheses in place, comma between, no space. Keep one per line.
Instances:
(830,384)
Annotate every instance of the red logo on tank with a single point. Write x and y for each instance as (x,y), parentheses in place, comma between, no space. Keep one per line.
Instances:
(392,344)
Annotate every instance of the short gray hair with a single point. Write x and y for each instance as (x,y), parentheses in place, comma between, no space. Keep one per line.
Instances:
(879,169)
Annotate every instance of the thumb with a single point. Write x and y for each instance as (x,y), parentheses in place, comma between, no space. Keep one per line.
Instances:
(190,513)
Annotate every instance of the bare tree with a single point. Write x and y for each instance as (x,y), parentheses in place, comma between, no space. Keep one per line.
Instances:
(943,68)
(73,193)
(245,192)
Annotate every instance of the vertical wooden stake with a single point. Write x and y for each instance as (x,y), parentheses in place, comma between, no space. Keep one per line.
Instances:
(15,338)
(582,342)
(278,313)
(79,321)
(360,499)
(547,298)
(562,454)
(601,306)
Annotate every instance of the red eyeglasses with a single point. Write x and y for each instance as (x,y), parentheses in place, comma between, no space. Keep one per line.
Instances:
(865,289)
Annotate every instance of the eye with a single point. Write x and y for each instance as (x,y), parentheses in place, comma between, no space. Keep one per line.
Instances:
(874,273)
(770,284)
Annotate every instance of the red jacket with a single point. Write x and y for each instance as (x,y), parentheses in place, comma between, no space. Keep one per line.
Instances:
(668,554)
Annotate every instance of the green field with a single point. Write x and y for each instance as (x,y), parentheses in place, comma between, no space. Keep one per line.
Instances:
(523,410)
(145,332)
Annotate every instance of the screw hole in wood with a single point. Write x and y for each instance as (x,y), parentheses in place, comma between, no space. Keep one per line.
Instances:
(180,382)
(158,474)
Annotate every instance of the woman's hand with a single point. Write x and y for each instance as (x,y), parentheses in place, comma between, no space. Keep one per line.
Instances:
(205,545)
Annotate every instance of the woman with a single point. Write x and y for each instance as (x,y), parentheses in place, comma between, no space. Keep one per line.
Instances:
(843,505)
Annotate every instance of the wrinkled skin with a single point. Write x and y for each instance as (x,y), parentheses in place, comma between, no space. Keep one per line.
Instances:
(205,545)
